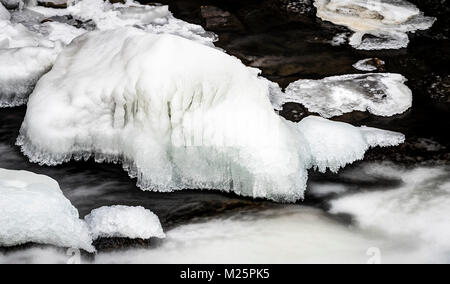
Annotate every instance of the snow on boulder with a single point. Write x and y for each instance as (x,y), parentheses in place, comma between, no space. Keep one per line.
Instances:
(21,68)
(386,21)
(382,94)
(4,14)
(34,210)
(32,38)
(178,114)
(124,222)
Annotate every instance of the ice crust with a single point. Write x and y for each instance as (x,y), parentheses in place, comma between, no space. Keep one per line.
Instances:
(30,43)
(382,94)
(178,114)
(378,24)
(34,210)
(124,222)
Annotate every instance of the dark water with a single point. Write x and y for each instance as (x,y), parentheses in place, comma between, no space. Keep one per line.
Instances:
(286,46)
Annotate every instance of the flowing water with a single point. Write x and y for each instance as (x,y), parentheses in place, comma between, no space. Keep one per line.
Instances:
(371,212)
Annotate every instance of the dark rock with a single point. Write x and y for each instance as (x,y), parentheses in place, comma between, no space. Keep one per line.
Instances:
(52,4)
(220,20)
(294,112)
(109,244)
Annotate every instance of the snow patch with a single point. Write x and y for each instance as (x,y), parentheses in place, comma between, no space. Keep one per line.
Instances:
(34,210)
(124,222)
(382,94)
(378,24)
(178,114)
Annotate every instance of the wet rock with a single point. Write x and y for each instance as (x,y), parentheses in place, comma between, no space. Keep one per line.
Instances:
(294,112)
(109,244)
(10,4)
(55,4)
(217,19)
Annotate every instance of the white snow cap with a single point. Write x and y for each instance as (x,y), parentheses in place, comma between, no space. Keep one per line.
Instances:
(30,45)
(388,21)
(382,94)
(34,210)
(179,114)
(124,222)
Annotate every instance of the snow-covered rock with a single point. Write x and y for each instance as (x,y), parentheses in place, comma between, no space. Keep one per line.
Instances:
(124,222)
(34,210)
(36,27)
(387,21)
(179,114)
(4,14)
(382,94)
(20,69)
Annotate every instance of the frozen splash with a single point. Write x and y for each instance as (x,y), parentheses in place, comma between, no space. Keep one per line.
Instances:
(160,105)
(378,24)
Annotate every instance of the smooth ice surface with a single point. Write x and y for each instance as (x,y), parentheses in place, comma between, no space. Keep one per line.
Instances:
(381,94)
(378,24)
(418,211)
(179,114)
(31,38)
(34,210)
(363,65)
(124,222)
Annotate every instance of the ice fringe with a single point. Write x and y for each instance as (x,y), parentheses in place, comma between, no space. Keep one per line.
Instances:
(34,210)
(386,21)
(178,114)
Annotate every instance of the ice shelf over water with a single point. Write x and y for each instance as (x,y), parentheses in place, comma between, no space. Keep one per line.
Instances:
(382,94)
(31,38)
(34,210)
(179,114)
(124,222)
(378,24)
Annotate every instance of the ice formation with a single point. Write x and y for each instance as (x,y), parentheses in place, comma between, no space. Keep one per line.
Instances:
(32,38)
(364,65)
(124,222)
(378,24)
(179,114)
(33,209)
(382,94)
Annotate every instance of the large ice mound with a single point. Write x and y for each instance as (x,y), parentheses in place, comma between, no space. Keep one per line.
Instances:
(124,222)
(34,210)
(382,94)
(378,24)
(31,38)
(179,114)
